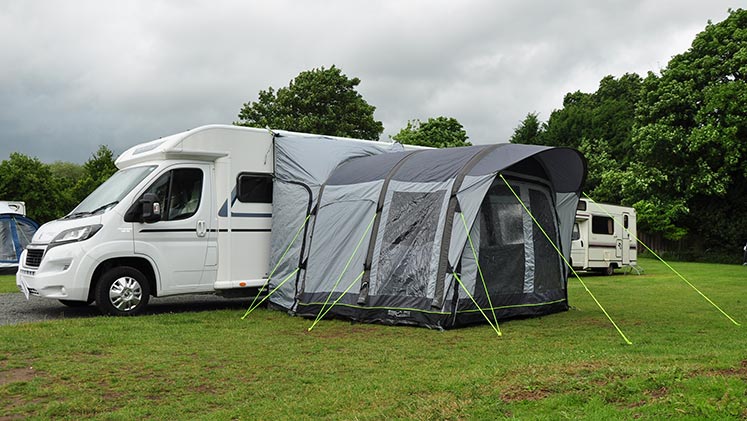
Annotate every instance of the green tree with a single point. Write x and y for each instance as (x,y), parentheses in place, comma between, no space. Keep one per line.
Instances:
(691,137)
(529,131)
(68,172)
(607,115)
(321,101)
(28,179)
(67,175)
(439,132)
(96,170)
(599,124)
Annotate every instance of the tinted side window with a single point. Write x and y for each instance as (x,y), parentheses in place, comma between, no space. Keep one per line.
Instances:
(186,191)
(602,225)
(254,188)
(179,192)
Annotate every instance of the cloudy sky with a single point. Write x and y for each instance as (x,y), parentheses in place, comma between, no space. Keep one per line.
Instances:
(78,74)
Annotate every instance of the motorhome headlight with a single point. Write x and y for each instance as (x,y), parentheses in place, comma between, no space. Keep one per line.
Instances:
(76,234)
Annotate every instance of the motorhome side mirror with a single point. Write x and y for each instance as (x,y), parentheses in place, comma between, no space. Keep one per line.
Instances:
(150,208)
(147,209)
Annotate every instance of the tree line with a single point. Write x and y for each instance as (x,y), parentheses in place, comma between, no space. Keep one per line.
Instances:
(673,145)
(52,190)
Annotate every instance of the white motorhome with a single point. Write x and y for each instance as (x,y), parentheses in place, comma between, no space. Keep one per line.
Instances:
(603,237)
(188,213)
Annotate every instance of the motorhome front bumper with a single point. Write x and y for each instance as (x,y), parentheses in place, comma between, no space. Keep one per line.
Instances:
(52,272)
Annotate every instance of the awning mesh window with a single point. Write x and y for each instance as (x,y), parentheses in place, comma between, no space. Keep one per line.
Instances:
(407,248)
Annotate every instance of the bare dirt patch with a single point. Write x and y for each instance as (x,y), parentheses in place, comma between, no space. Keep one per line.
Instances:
(524,395)
(738,371)
(17,375)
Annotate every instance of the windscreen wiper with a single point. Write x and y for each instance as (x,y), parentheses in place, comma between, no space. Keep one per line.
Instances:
(76,215)
(93,212)
(104,207)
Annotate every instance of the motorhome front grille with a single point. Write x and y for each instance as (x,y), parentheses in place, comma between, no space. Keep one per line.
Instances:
(34,257)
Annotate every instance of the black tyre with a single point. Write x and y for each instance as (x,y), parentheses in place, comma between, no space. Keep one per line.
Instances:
(72,303)
(610,270)
(122,291)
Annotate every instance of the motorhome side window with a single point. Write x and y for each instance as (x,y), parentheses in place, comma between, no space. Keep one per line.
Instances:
(179,192)
(602,225)
(254,188)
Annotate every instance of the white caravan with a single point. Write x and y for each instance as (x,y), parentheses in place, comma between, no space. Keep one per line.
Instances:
(603,237)
(188,213)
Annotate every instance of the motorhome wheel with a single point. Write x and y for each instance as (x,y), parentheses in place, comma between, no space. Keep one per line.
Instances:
(122,291)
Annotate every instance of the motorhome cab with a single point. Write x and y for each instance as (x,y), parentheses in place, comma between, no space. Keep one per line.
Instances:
(189,213)
(603,237)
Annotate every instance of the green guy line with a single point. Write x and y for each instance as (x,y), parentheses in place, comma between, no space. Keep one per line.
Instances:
(345,269)
(665,263)
(566,261)
(495,327)
(321,315)
(250,309)
(267,282)
(479,270)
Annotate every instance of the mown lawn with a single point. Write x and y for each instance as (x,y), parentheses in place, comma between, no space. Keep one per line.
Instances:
(686,361)
(8,284)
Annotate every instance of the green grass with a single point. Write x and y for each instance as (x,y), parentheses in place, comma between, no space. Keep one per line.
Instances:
(8,284)
(687,361)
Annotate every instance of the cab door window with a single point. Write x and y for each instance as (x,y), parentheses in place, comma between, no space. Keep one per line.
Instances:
(179,191)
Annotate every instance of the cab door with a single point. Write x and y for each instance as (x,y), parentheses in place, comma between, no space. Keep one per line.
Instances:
(178,243)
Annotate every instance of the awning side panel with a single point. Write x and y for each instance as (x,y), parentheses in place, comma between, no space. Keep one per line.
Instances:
(342,231)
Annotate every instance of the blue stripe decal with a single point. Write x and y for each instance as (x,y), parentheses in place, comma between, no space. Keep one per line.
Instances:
(223,212)
(251,215)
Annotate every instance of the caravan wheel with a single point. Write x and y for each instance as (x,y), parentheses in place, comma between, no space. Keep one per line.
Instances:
(610,270)
(122,291)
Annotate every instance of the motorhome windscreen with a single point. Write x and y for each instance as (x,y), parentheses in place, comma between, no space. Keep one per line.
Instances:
(113,190)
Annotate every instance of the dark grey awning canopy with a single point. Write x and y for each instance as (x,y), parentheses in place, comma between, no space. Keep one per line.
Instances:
(566,168)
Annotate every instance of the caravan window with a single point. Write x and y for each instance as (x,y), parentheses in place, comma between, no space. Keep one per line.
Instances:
(254,188)
(576,234)
(602,225)
(625,221)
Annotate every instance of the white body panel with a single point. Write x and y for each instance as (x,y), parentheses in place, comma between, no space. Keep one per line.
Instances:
(603,237)
(224,244)
(13,207)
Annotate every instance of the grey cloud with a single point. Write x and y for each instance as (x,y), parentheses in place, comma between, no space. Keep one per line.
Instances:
(84,73)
